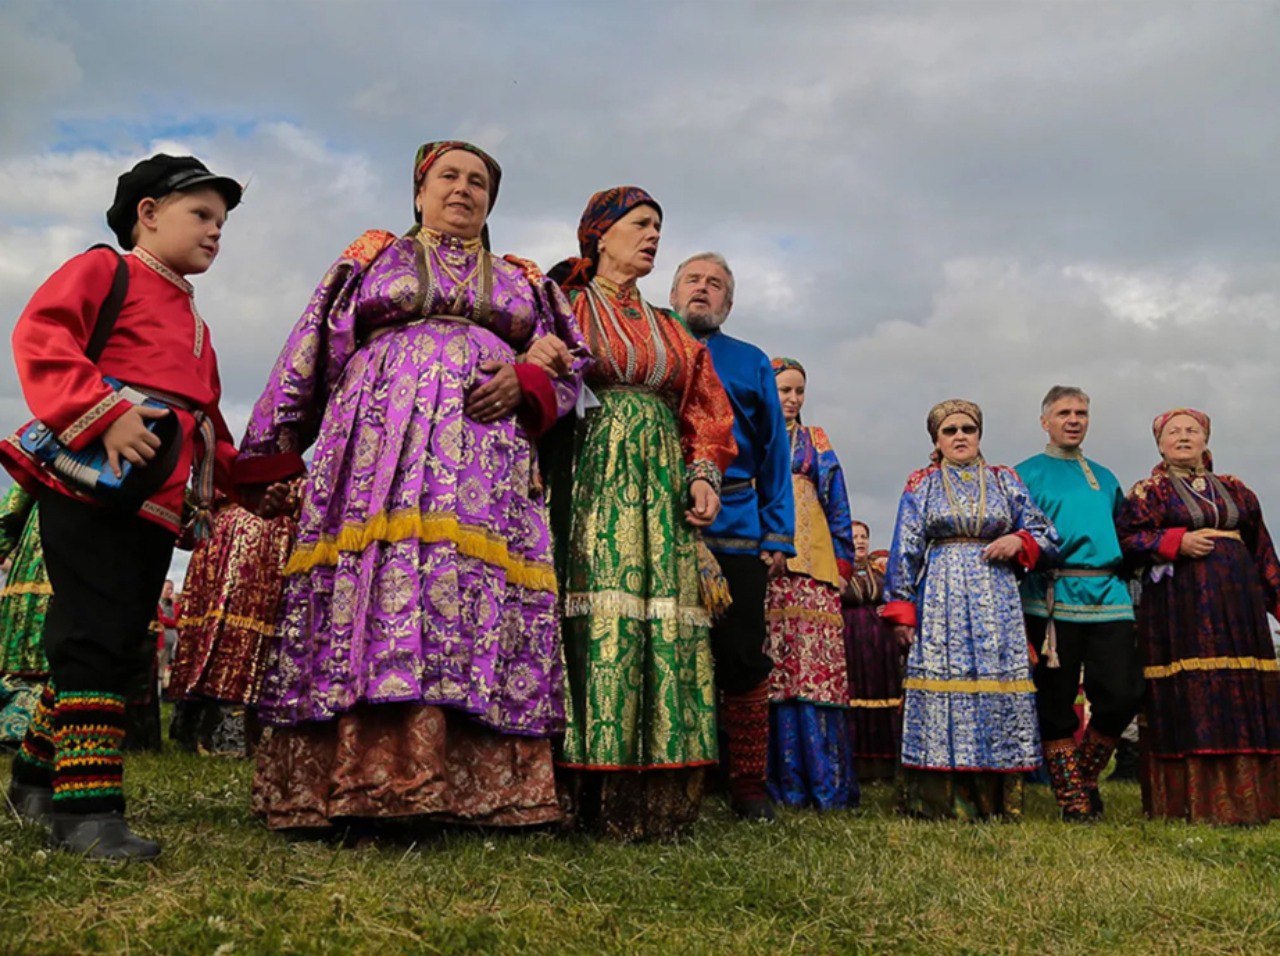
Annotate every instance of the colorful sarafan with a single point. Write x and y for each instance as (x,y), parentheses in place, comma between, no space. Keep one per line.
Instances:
(637,649)
(229,603)
(24,598)
(970,701)
(422,571)
(1213,684)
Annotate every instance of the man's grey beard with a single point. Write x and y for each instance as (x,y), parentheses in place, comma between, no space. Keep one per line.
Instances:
(706,323)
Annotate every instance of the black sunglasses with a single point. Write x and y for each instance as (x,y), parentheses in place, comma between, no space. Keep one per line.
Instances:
(949,430)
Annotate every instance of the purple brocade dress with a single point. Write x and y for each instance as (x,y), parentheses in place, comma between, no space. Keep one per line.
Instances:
(417,669)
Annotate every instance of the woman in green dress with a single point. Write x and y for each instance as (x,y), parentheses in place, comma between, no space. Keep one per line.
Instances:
(642,476)
(23,601)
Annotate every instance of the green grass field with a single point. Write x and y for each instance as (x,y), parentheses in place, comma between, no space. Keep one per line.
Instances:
(840,882)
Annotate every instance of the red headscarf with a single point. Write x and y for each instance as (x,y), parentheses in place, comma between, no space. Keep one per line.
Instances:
(603,210)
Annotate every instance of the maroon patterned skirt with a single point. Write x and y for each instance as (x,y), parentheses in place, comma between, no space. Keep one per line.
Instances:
(875,692)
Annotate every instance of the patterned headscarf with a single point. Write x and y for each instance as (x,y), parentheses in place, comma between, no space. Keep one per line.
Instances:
(603,210)
(940,412)
(1160,421)
(783,364)
(428,153)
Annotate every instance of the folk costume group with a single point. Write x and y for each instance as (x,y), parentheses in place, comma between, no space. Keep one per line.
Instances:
(562,556)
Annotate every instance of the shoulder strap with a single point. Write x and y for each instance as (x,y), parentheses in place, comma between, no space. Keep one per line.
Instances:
(109,311)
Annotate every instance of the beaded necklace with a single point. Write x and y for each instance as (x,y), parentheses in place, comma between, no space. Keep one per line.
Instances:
(968,517)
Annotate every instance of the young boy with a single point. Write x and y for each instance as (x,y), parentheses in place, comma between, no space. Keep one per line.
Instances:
(107,566)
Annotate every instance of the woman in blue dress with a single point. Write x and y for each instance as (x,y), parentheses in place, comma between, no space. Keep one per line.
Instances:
(969,724)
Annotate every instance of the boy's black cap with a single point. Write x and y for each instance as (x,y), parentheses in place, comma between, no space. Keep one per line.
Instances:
(159,176)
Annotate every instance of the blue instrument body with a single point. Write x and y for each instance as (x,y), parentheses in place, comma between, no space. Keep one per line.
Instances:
(88,471)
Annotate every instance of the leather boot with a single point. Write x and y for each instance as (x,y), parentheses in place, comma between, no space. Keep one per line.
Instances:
(33,804)
(1095,753)
(745,718)
(100,836)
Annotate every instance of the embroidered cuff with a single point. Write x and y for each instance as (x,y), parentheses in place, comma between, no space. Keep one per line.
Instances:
(703,471)
(538,407)
(782,543)
(1030,552)
(266,469)
(1169,544)
(899,612)
(94,422)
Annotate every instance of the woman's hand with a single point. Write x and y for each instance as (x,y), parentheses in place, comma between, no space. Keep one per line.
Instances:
(905,635)
(496,398)
(551,355)
(775,562)
(1004,548)
(1196,544)
(706,504)
(273,500)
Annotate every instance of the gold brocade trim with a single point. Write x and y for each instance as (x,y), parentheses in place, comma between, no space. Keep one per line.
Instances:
(885,702)
(26,587)
(77,428)
(265,628)
(965,686)
(429,527)
(804,614)
(1267,665)
(622,604)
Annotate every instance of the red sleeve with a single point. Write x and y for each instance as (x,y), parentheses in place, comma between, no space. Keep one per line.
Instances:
(62,387)
(265,469)
(899,612)
(845,568)
(1030,552)
(538,411)
(1170,543)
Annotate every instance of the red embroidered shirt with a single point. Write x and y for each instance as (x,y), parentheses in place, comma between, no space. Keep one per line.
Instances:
(159,342)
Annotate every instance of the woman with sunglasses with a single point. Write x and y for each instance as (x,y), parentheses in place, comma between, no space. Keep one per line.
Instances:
(969,724)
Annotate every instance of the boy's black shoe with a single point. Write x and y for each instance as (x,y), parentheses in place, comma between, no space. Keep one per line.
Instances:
(100,836)
(32,804)
(1095,803)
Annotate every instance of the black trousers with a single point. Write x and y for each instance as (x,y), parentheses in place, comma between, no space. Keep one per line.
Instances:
(1113,684)
(106,569)
(738,638)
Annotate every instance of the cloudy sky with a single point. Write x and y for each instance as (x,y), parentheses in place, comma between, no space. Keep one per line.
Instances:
(920,200)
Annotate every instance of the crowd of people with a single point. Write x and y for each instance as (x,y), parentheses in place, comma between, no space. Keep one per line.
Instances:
(562,556)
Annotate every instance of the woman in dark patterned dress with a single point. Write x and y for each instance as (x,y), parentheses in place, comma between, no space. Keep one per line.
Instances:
(1212,740)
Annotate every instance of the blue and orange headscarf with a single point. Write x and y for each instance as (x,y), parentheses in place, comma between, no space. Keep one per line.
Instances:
(428,153)
(603,209)
(783,364)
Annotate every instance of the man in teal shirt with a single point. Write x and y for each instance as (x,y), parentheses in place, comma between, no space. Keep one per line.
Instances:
(1079,615)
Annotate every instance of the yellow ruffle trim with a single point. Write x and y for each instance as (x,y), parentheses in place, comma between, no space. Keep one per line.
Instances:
(238,621)
(27,588)
(969,686)
(876,703)
(432,528)
(1211,664)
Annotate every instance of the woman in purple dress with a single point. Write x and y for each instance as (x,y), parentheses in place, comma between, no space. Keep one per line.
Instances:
(417,670)
(875,668)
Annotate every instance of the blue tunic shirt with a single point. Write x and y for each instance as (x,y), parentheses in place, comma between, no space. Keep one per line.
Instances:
(757,511)
(1082,499)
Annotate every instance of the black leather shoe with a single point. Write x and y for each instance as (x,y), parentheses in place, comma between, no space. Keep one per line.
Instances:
(1095,803)
(754,810)
(32,804)
(100,836)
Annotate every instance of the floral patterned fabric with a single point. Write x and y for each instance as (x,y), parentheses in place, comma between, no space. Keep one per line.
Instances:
(806,642)
(229,604)
(24,599)
(402,760)
(970,701)
(422,569)
(875,677)
(1213,683)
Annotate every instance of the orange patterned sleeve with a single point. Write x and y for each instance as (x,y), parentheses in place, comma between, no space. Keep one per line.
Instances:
(706,418)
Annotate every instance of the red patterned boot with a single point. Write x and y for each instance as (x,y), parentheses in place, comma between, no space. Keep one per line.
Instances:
(745,719)
(1095,753)
(1063,763)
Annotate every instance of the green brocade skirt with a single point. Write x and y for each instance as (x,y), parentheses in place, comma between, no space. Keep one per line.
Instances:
(24,599)
(640,692)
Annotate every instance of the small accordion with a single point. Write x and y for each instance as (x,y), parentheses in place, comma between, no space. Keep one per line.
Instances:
(88,470)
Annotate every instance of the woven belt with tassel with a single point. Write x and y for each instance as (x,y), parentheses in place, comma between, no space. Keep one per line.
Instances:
(205,459)
(1050,632)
